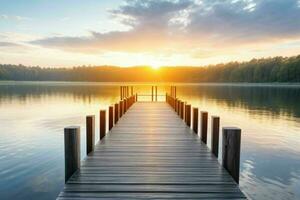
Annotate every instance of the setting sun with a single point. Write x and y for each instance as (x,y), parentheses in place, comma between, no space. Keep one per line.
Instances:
(156,67)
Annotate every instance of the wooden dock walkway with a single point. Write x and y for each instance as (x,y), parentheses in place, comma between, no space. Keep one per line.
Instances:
(151,154)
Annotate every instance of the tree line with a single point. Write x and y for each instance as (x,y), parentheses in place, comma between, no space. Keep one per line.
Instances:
(277,69)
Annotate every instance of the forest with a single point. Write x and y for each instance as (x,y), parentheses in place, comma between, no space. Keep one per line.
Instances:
(266,70)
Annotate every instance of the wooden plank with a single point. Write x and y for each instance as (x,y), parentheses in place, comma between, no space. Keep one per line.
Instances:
(151,154)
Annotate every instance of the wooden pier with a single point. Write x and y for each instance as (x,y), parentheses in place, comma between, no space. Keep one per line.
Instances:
(151,153)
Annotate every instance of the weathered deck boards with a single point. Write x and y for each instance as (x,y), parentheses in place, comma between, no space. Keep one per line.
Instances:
(151,154)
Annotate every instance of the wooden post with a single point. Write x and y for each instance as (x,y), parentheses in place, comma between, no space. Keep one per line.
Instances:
(131,90)
(136,97)
(90,133)
(124,96)
(120,92)
(172,102)
(110,117)
(215,128)
(185,112)
(72,150)
(195,120)
(128,103)
(182,110)
(155,93)
(152,93)
(125,105)
(231,149)
(175,92)
(121,109)
(102,123)
(116,113)
(204,116)
(178,107)
(188,115)
(124,92)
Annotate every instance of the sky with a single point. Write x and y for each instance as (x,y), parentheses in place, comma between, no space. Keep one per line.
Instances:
(66,33)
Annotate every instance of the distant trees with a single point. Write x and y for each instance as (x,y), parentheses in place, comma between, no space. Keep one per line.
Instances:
(277,69)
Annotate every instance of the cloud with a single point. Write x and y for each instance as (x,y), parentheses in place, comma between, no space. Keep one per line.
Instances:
(3,17)
(188,25)
(14,17)
(14,48)
(150,14)
(150,30)
(8,44)
(246,21)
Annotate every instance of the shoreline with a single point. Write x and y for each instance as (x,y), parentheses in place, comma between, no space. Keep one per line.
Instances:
(65,83)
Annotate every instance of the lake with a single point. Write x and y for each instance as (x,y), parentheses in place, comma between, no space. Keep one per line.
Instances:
(33,115)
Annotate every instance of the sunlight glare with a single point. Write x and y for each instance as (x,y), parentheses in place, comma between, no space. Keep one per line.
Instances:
(155,66)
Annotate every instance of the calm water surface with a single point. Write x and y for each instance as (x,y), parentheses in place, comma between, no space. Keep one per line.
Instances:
(33,115)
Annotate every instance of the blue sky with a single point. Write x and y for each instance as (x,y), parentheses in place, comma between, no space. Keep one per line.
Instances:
(146,32)
(49,17)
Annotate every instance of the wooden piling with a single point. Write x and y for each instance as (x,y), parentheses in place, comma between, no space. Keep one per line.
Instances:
(90,133)
(188,115)
(116,112)
(178,107)
(124,92)
(121,93)
(182,110)
(121,108)
(155,93)
(125,105)
(203,129)
(175,92)
(152,90)
(110,117)
(72,150)
(215,129)
(195,120)
(102,124)
(231,149)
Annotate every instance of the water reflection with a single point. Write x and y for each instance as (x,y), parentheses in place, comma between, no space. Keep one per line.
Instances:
(269,118)
(277,100)
(33,115)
